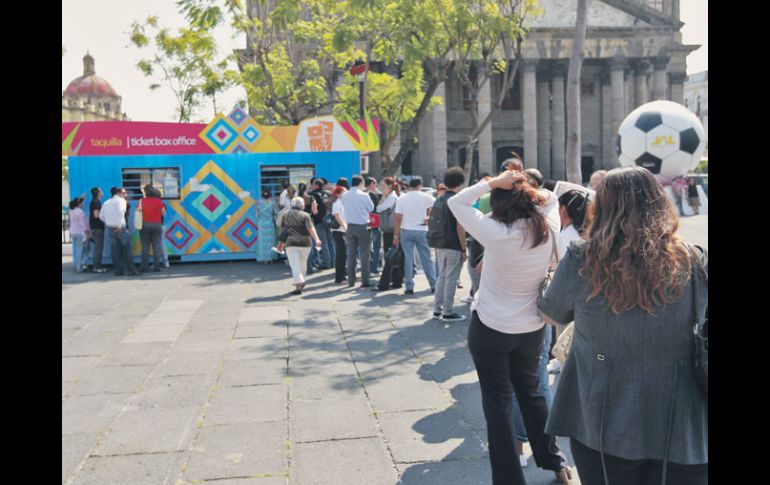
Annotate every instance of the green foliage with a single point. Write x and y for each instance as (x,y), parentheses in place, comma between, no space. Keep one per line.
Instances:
(703,166)
(186,61)
(64,169)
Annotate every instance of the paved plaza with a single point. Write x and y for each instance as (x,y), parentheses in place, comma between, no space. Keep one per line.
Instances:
(212,373)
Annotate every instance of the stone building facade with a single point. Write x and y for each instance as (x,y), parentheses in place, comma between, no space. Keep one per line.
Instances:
(696,97)
(90,98)
(633,54)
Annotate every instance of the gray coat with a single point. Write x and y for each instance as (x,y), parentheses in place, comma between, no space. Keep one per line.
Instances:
(625,371)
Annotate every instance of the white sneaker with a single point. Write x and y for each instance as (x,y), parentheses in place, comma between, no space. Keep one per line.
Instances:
(468,299)
(276,250)
(554,367)
(523,461)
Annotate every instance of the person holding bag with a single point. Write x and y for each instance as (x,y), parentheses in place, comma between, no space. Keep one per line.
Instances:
(298,234)
(506,334)
(392,276)
(629,397)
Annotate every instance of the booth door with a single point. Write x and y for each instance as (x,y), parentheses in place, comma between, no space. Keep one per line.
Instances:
(273,177)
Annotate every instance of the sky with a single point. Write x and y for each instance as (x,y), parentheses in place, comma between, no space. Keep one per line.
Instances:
(101,27)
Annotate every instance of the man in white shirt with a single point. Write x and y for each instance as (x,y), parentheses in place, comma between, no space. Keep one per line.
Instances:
(357,205)
(411,231)
(113,214)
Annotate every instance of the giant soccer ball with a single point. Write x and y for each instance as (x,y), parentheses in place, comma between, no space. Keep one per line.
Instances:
(662,136)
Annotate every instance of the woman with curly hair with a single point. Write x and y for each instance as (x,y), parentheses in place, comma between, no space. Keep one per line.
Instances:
(628,397)
(506,333)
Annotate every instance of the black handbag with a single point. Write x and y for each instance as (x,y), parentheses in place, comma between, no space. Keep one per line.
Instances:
(701,336)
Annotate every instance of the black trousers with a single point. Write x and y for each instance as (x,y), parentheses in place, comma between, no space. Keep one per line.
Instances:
(506,363)
(340,257)
(632,472)
(390,276)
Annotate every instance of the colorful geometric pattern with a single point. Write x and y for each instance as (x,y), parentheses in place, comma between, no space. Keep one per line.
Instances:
(211,203)
(237,115)
(246,233)
(239,133)
(219,135)
(206,221)
(179,235)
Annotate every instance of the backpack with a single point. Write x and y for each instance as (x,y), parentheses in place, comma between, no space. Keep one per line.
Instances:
(323,199)
(438,223)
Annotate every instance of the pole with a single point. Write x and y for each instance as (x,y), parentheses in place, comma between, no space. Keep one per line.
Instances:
(361,97)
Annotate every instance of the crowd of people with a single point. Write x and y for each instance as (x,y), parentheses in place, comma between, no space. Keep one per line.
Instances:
(627,397)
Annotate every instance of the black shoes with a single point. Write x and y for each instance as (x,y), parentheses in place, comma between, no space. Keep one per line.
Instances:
(409,292)
(454,317)
(366,286)
(296,292)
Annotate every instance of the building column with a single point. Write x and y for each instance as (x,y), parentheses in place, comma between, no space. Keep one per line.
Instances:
(529,112)
(628,89)
(640,82)
(608,147)
(558,128)
(617,103)
(544,124)
(486,152)
(659,77)
(677,86)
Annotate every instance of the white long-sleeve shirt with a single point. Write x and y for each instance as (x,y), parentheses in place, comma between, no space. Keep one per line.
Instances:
(512,270)
(387,202)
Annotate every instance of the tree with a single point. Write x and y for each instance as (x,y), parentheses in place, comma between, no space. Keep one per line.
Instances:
(487,35)
(573,96)
(289,68)
(187,63)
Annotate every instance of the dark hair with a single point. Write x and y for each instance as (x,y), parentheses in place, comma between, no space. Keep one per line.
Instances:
(356,181)
(536,175)
(415,182)
(454,177)
(95,192)
(508,206)
(393,184)
(75,202)
(265,194)
(369,181)
(318,183)
(515,160)
(481,177)
(285,185)
(549,185)
(343,182)
(114,190)
(576,203)
(301,189)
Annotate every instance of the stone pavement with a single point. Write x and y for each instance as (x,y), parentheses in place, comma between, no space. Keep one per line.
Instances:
(212,373)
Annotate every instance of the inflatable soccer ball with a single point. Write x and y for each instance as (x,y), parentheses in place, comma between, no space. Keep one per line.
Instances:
(662,136)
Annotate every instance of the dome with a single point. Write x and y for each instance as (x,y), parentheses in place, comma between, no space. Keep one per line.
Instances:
(89,83)
(92,84)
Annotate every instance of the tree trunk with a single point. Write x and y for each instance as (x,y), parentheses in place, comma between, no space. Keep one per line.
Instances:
(573,96)
(411,132)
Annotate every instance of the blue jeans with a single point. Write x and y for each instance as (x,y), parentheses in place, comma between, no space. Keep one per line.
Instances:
(120,246)
(376,249)
(79,251)
(543,388)
(326,257)
(409,240)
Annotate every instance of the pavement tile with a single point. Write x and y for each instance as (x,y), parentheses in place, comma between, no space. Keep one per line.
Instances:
(151,431)
(258,348)
(169,393)
(74,368)
(91,414)
(239,450)
(181,363)
(428,435)
(405,392)
(444,472)
(364,461)
(111,380)
(252,371)
(259,313)
(147,334)
(251,404)
(130,470)
(136,354)
(206,341)
(91,343)
(74,449)
(328,419)
(268,328)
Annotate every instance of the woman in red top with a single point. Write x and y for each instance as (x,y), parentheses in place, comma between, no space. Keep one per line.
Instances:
(153,210)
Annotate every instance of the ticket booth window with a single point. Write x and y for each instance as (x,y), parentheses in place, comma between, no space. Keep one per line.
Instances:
(165,179)
(274,177)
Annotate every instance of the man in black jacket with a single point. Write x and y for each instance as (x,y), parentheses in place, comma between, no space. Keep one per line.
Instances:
(323,259)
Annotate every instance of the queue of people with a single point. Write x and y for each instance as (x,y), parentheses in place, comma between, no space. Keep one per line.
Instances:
(627,398)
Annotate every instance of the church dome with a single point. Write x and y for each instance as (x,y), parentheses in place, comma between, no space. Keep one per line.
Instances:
(89,83)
